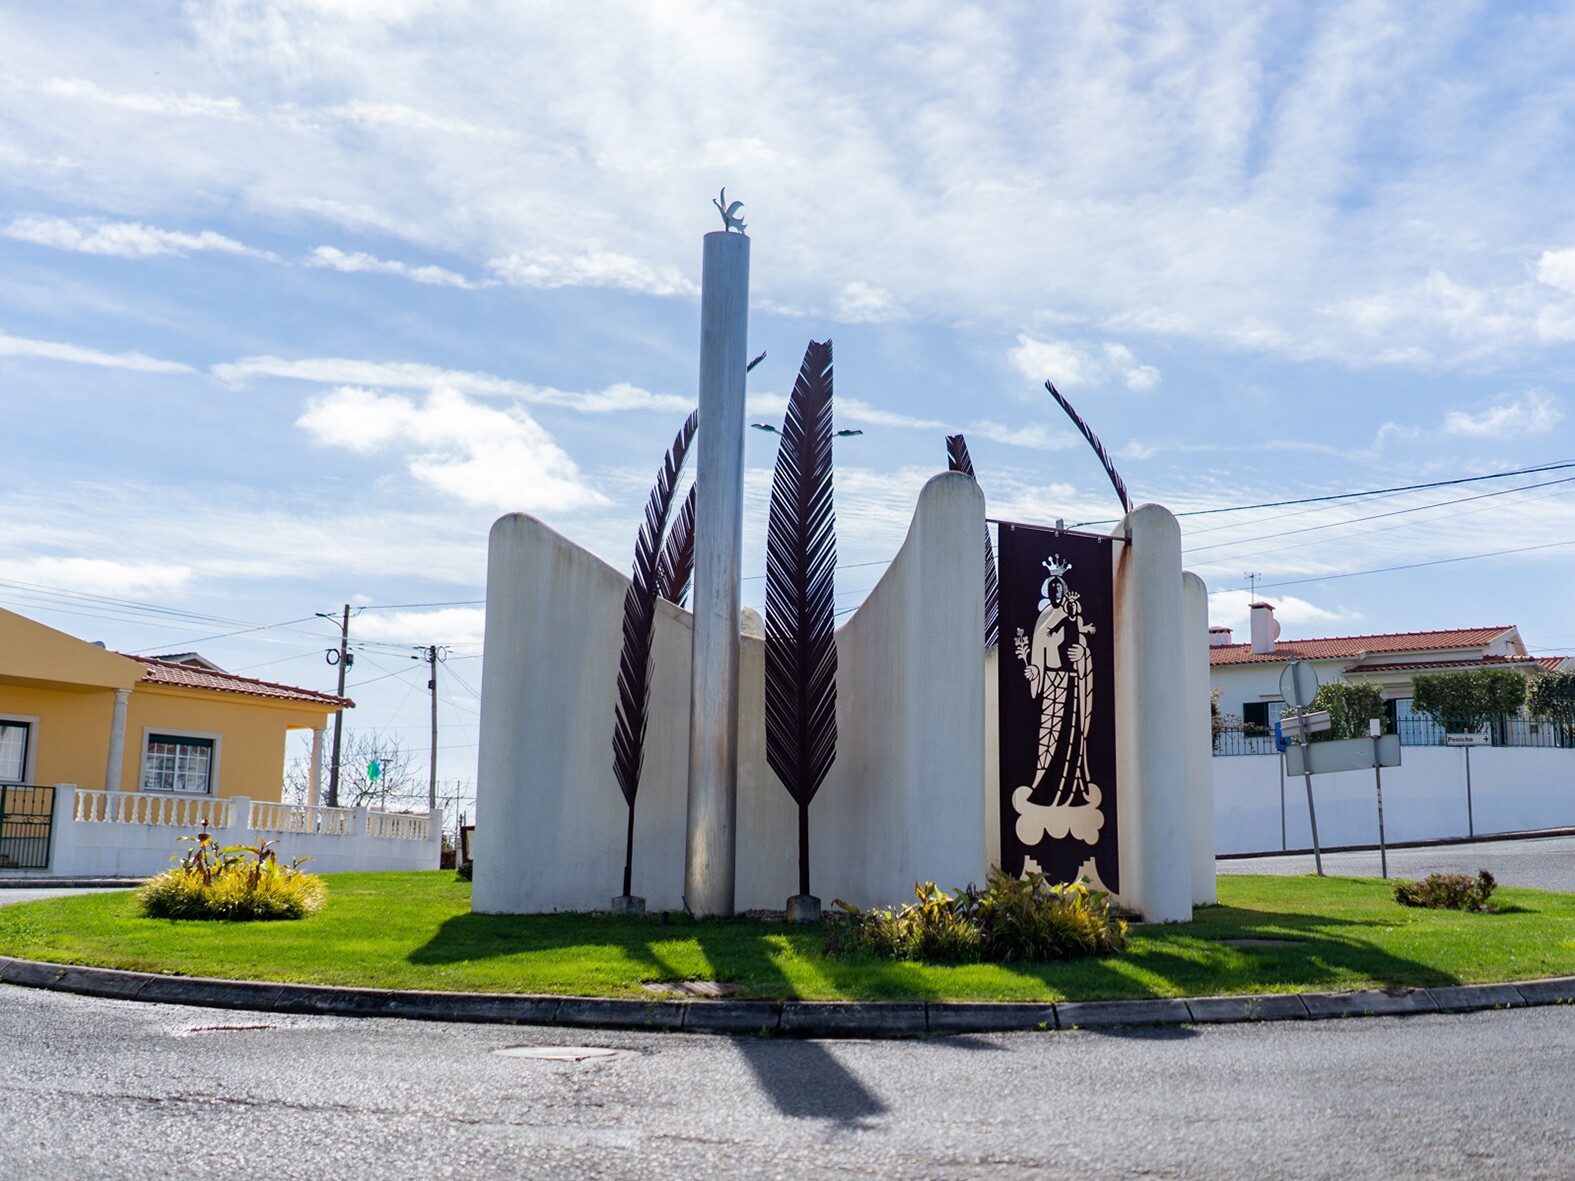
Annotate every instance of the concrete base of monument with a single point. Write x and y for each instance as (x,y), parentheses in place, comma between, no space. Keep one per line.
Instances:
(803,908)
(627,904)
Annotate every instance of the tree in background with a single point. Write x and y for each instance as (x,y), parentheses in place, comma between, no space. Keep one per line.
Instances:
(1464,702)
(1351,707)
(400,783)
(1551,698)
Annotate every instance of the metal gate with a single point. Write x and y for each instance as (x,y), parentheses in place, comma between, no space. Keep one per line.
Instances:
(27,816)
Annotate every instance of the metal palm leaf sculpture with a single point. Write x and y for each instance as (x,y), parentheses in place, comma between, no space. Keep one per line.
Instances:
(801,552)
(676,567)
(958,460)
(1093,441)
(639,618)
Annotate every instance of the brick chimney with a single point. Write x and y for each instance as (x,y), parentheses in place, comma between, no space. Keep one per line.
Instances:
(1219,637)
(1265,628)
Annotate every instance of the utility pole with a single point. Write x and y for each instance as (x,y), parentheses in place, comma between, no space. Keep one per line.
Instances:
(344,658)
(432,654)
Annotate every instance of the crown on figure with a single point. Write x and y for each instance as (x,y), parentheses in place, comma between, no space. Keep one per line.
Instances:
(1057,566)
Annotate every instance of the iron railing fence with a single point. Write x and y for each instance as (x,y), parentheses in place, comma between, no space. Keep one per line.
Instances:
(1414,731)
(27,815)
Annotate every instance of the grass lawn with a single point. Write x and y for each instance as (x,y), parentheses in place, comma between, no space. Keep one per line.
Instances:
(415,930)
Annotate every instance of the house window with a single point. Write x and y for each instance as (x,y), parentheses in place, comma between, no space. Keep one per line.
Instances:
(178,762)
(13,751)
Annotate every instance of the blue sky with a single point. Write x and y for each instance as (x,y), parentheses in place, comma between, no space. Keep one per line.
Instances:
(297,297)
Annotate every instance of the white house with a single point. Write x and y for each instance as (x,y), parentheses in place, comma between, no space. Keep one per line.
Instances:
(1247,676)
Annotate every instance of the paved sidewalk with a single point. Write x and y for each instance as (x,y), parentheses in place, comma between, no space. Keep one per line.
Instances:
(34,893)
(1540,863)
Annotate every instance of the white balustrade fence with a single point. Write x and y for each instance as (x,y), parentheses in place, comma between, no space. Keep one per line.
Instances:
(136,834)
(120,807)
(303,818)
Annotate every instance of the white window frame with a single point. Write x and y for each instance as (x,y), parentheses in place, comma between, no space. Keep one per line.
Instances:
(31,723)
(213,767)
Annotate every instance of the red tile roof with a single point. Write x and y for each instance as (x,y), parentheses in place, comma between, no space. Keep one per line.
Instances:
(1375,666)
(1351,647)
(187,676)
(1551,663)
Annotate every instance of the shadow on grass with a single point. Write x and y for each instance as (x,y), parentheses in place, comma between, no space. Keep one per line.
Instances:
(777,961)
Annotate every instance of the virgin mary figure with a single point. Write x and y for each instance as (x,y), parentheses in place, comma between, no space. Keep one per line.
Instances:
(1062,800)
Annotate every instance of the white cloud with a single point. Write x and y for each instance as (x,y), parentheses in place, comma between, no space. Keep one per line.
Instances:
(478,453)
(123,239)
(855,410)
(448,625)
(100,576)
(1137,378)
(1533,413)
(18,346)
(328,256)
(1556,268)
(861,303)
(1034,436)
(1071,365)
(1153,168)
(1231,608)
(414,375)
(151,103)
(600,268)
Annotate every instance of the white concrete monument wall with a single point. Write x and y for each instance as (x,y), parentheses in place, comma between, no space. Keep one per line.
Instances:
(904,800)
(1200,739)
(1152,718)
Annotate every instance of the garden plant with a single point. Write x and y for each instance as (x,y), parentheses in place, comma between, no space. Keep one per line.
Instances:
(237,883)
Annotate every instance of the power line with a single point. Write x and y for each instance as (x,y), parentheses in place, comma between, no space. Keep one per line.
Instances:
(1525,549)
(1240,508)
(1379,516)
(1366,534)
(403,606)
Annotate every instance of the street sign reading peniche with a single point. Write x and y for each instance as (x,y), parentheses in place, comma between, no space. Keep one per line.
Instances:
(1057,710)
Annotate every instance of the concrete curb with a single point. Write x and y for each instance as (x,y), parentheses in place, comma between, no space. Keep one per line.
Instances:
(883,1019)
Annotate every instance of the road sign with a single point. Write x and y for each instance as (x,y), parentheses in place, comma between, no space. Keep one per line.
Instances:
(1299,683)
(1350,754)
(1308,723)
(1468,740)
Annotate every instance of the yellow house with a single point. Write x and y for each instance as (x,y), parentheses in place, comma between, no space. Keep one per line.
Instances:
(71,712)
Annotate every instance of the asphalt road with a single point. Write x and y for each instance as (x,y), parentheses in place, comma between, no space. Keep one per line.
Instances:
(107,1089)
(1543,863)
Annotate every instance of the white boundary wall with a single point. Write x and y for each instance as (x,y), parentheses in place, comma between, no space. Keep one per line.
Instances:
(134,834)
(1513,789)
(904,800)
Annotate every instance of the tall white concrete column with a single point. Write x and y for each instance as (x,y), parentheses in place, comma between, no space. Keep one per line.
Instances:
(1200,740)
(117,741)
(710,854)
(1152,718)
(314,780)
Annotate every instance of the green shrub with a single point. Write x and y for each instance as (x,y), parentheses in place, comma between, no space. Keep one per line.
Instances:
(1030,919)
(239,883)
(1011,919)
(1448,891)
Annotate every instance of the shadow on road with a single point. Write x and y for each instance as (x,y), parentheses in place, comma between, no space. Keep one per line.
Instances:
(804,1080)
